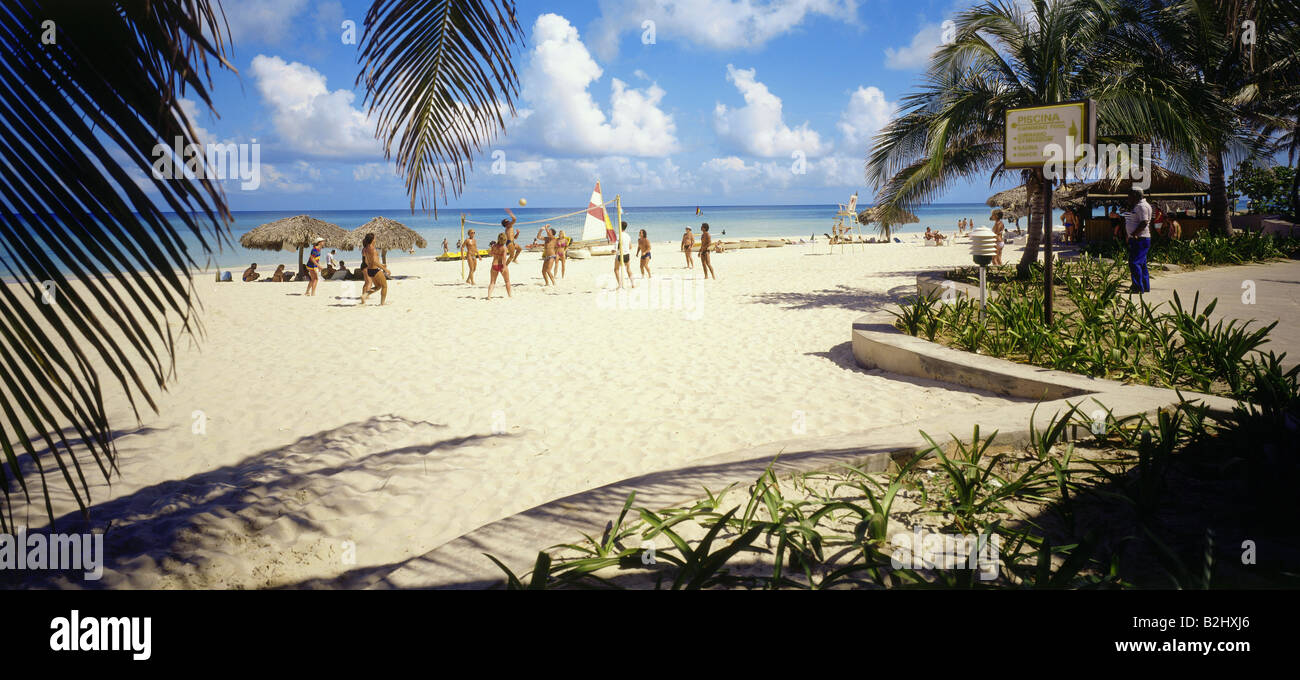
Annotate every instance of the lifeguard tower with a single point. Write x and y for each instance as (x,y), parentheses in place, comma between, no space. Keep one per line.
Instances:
(845,230)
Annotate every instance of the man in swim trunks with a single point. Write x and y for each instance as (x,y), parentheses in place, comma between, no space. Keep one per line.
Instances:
(688,242)
(705,241)
(469,251)
(643,250)
(375,269)
(512,237)
(251,274)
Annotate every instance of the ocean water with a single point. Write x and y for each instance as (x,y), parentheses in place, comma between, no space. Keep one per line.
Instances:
(662,223)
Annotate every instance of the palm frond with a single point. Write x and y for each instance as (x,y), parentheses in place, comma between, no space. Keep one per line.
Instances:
(438,75)
(98,269)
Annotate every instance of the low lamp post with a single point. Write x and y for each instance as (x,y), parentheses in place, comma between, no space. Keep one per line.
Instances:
(983,246)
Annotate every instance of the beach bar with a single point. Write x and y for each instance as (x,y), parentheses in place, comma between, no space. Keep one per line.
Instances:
(1179,196)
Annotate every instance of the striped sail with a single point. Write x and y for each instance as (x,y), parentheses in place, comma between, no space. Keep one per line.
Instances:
(597,224)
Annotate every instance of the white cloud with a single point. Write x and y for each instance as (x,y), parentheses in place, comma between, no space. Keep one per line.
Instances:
(732,174)
(273,178)
(758,127)
(308,118)
(565,118)
(260,21)
(916,55)
(369,172)
(718,24)
(868,111)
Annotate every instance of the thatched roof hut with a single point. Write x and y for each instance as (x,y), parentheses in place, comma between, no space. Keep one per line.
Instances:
(293,233)
(886,217)
(1163,181)
(1015,201)
(389,235)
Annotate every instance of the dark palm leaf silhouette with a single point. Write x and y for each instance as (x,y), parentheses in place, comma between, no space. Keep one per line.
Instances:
(438,78)
(79,206)
(76,118)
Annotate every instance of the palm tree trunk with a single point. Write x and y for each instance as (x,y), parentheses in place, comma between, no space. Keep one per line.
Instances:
(1295,182)
(1219,221)
(1295,193)
(1034,194)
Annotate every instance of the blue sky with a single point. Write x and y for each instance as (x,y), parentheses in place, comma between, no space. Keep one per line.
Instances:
(727,104)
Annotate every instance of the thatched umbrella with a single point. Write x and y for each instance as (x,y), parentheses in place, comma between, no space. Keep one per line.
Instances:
(1016,199)
(389,235)
(291,233)
(886,217)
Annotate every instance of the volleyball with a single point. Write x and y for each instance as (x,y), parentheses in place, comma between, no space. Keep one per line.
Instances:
(522,203)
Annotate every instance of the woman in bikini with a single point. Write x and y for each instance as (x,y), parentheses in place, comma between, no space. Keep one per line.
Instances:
(499,252)
(562,249)
(548,258)
(643,247)
(376,270)
(999,229)
(313,266)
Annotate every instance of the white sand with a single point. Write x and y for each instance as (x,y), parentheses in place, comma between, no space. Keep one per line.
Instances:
(333,429)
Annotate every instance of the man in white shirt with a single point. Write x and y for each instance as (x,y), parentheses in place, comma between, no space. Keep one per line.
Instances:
(1138,226)
(627,248)
(329,260)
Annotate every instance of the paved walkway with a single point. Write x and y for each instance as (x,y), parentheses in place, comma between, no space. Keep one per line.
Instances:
(1276,297)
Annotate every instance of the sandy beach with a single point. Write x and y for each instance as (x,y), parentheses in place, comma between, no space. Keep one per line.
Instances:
(303,438)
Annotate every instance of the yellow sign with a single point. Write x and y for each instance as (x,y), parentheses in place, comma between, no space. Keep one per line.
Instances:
(1030,132)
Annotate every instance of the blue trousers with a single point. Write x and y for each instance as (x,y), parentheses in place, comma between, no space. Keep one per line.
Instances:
(1137,263)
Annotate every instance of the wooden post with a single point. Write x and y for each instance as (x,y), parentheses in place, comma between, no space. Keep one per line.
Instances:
(1049,185)
(462,246)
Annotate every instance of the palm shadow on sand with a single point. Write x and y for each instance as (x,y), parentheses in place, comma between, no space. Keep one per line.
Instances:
(165,520)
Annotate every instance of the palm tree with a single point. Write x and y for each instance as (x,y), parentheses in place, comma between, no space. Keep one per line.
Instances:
(1219,50)
(79,117)
(1276,100)
(1005,56)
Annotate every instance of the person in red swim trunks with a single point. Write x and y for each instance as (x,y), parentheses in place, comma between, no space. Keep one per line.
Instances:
(500,266)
